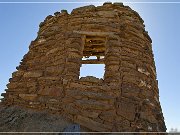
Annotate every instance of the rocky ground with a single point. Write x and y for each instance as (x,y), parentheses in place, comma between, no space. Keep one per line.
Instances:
(18,119)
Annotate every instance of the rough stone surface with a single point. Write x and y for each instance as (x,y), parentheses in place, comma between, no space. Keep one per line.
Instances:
(24,120)
(47,79)
(72,128)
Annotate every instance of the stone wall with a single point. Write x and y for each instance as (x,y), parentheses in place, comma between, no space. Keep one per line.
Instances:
(126,99)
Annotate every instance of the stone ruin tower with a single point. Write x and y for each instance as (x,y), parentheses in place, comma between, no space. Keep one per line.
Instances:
(126,99)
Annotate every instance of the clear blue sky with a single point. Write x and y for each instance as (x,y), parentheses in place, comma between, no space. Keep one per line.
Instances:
(19,26)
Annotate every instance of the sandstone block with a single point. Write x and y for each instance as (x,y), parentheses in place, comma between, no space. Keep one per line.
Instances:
(77,86)
(33,74)
(52,51)
(129,90)
(34,103)
(54,92)
(53,101)
(92,95)
(126,109)
(65,82)
(93,104)
(142,70)
(67,100)
(12,85)
(31,84)
(70,108)
(30,97)
(88,113)
(149,117)
(109,116)
(89,79)
(91,124)
(18,73)
(107,14)
(54,108)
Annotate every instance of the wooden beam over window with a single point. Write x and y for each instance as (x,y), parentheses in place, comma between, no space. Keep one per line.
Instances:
(93,61)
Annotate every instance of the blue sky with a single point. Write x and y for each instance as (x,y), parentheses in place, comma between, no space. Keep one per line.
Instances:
(19,26)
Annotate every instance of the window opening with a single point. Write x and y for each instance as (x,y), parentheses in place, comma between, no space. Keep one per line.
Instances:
(93,57)
(96,70)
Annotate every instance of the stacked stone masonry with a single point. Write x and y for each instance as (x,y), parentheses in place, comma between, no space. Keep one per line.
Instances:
(126,99)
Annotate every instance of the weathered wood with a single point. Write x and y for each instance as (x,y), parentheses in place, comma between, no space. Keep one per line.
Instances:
(93,54)
(95,44)
(89,33)
(93,61)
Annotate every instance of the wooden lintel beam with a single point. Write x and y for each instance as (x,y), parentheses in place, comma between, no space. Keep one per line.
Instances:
(93,61)
(94,44)
(94,50)
(93,40)
(93,54)
(89,33)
